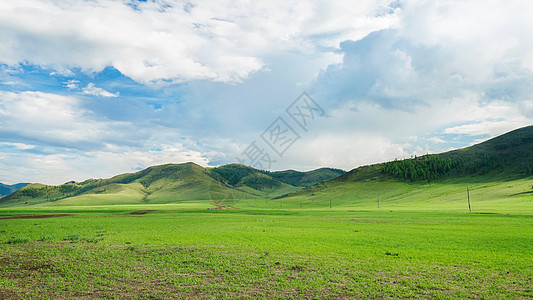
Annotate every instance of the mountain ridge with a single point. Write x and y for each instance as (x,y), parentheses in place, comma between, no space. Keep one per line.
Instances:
(6,189)
(505,157)
(170,183)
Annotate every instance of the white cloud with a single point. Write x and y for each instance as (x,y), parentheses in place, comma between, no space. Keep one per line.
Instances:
(53,119)
(91,89)
(477,32)
(19,146)
(436,140)
(488,128)
(442,70)
(62,71)
(431,76)
(360,133)
(68,142)
(175,41)
(59,168)
(71,84)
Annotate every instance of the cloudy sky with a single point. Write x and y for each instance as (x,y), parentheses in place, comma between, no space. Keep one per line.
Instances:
(90,89)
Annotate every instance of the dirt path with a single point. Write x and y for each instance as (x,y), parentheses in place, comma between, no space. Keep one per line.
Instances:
(217,205)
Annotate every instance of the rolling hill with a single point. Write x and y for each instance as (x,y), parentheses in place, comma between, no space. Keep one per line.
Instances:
(171,183)
(6,189)
(498,172)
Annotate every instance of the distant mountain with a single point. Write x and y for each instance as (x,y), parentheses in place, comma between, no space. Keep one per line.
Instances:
(172,183)
(8,189)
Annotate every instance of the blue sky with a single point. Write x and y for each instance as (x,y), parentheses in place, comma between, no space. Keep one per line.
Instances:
(91,89)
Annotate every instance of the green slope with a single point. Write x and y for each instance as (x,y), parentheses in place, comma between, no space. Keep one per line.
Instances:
(297,178)
(166,184)
(506,156)
(496,172)
(158,184)
(255,182)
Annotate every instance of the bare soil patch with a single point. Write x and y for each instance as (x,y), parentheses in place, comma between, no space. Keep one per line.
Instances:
(140,212)
(5,217)
(217,206)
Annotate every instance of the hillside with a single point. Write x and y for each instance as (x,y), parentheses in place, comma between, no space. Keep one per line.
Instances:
(168,184)
(508,155)
(6,189)
(297,178)
(499,169)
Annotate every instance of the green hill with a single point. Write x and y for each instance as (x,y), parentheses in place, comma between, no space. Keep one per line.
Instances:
(508,155)
(168,184)
(297,178)
(497,172)
(6,189)
(270,184)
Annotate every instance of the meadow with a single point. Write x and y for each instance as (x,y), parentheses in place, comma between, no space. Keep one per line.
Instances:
(186,251)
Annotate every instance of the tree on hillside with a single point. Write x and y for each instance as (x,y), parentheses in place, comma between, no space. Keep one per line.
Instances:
(423,168)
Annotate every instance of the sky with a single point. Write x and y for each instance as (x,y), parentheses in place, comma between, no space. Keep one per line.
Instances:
(92,89)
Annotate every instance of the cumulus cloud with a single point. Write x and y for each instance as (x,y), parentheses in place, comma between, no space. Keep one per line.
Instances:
(91,89)
(71,84)
(479,34)
(361,132)
(398,78)
(442,71)
(50,138)
(51,119)
(162,41)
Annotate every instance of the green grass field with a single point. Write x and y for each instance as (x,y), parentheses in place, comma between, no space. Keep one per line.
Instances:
(185,250)
(486,195)
(422,242)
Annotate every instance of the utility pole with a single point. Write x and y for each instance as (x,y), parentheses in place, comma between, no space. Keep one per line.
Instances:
(330,202)
(281,203)
(468,197)
(300,202)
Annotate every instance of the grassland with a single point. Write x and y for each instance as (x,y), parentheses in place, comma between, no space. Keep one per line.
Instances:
(187,251)
(487,195)
(422,242)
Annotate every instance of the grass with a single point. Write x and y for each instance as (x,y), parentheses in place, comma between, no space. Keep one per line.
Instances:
(422,242)
(486,195)
(328,241)
(15,240)
(187,251)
